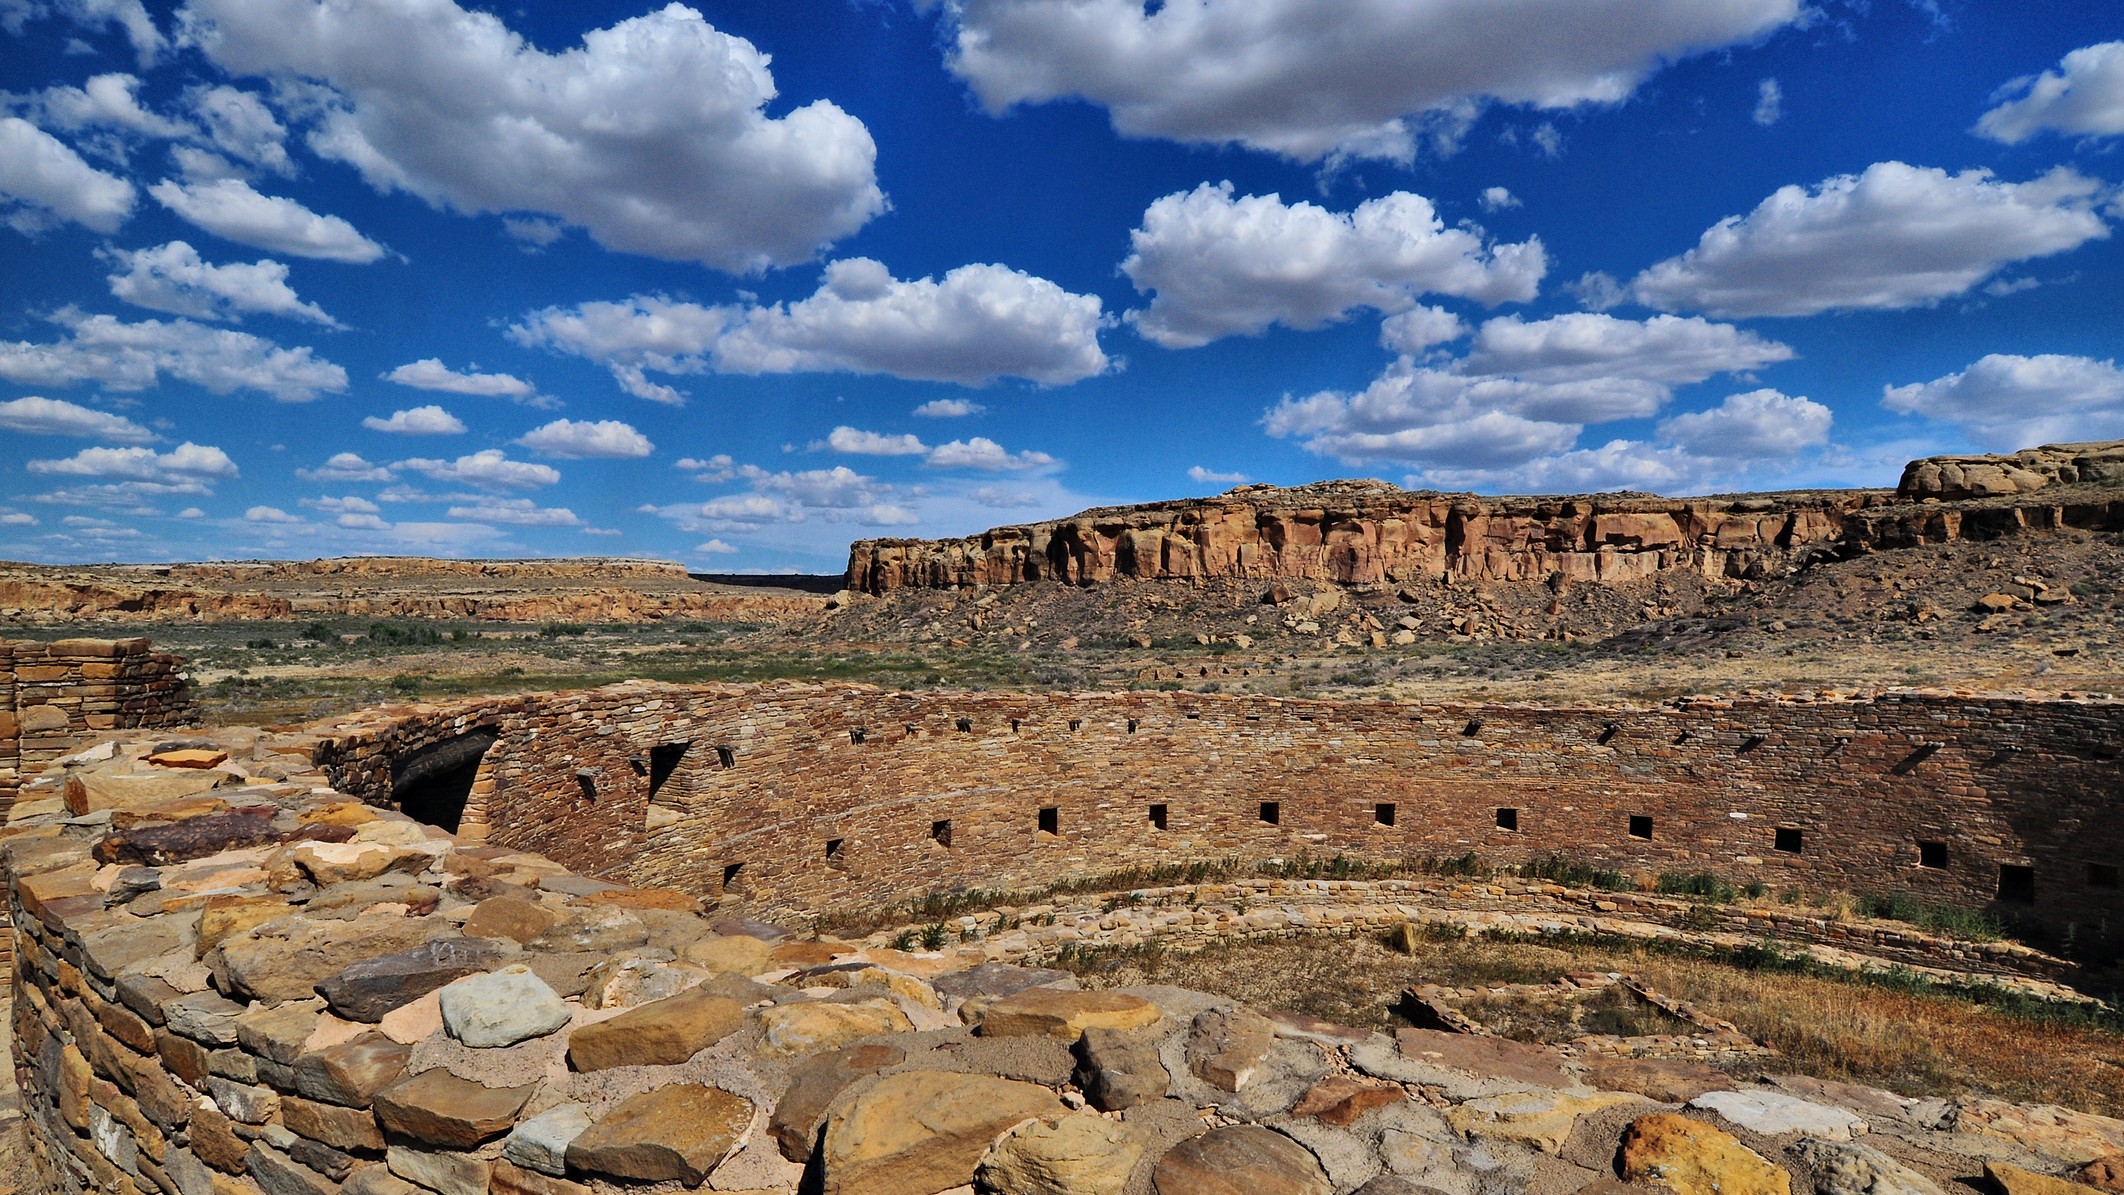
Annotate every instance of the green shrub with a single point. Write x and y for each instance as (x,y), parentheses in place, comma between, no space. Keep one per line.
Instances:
(1700,884)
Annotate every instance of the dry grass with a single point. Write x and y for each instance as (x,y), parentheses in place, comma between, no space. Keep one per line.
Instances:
(1916,1043)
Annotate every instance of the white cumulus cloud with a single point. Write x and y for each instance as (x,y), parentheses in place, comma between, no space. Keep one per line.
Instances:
(2083,97)
(948,408)
(2005,401)
(861,443)
(1221,266)
(571,439)
(1758,424)
(48,182)
(345,466)
(175,279)
(652,134)
(1890,237)
(1497,199)
(269,514)
(985,454)
(106,101)
(240,125)
(1769,103)
(976,325)
(122,356)
(489,468)
(186,469)
(39,416)
(1284,76)
(418,421)
(232,209)
(1202,476)
(431,374)
(516,512)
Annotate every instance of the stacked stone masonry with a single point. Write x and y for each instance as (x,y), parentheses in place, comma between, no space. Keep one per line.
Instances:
(1373,533)
(234,979)
(54,694)
(796,797)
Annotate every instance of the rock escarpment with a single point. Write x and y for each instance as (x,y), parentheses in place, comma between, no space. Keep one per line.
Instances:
(1956,477)
(1374,533)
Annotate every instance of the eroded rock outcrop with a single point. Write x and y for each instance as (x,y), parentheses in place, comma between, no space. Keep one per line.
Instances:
(1956,477)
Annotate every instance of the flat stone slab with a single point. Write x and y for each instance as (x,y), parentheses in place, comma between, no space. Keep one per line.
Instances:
(1241,1159)
(439,1108)
(352,1072)
(921,1132)
(180,842)
(999,979)
(673,1133)
(1693,1158)
(1052,1012)
(369,989)
(1772,1113)
(660,1033)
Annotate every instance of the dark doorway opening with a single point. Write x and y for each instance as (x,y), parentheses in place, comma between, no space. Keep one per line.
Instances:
(664,759)
(2017,883)
(432,784)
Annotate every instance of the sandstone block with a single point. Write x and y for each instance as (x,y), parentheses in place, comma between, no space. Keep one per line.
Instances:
(672,1133)
(278,1174)
(439,1108)
(351,1072)
(369,989)
(1772,1113)
(813,1086)
(541,1143)
(1073,1155)
(510,917)
(439,1171)
(1338,1101)
(790,1029)
(661,1033)
(1056,1013)
(1542,1119)
(1848,1168)
(2013,1180)
(1119,1069)
(338,1127)
(1693,1158)
(1225,1046)
(1239,1160)
(921,1132)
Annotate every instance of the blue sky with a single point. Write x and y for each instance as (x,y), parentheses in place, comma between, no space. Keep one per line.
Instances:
(734,284)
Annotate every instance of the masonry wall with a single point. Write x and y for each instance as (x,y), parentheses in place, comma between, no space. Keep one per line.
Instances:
(837,796)
(54,694)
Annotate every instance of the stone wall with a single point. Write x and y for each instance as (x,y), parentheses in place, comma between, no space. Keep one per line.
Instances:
(234,980)
(821,797)
(54,694)
(1371,533)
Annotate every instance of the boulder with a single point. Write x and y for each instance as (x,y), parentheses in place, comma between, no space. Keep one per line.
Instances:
(1773,1113)
(1848,1168)
(921,1132)
(738,955)
(1119,1069)
(441,1109)
(661,1033)
(500,1008)
(1056,1013)
(541,1143)
(1241,1159)
(1072,1155)
(2013,1180)
(510,917)
(813,1086)
(1225,1046)
(370,988)
(676,1133)
(1694,1158)
(805,1028)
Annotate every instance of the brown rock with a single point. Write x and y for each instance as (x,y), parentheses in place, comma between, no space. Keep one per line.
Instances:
(1492,1056)
(510,1179)
(90,790)
(369,989)
(672,1133)
(224,915)
(180,842)
(439,1108)
(813,1086)
(190,757)
(1338,1101)
(510,917)
(214,1139)
(1668,1080)
(278,1174)
(1119,1069)
(2013,1180)
(1693,1158)
(921,1132)
(1226,1045)
(340,1128)
(1241,1159)
(660,1033)
(1072,1155)
(352,1072)
(2103,1174)
(1055,1013)
(814,1025)
(739,955)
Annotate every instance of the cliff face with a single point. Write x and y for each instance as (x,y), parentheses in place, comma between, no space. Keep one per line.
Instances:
(1371,533)
(2031,469)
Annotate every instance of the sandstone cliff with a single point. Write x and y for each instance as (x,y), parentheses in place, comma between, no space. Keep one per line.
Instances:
(1371,532)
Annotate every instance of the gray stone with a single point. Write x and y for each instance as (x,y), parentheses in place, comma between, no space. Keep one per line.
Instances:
(242,1101)
(501,1008)
(443,1173)
(204,1017)
(1226,1046)
(541,1143)
(1848,1168)
(999,979)
(1119,1069)
(278,1174)
(1773,1112)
